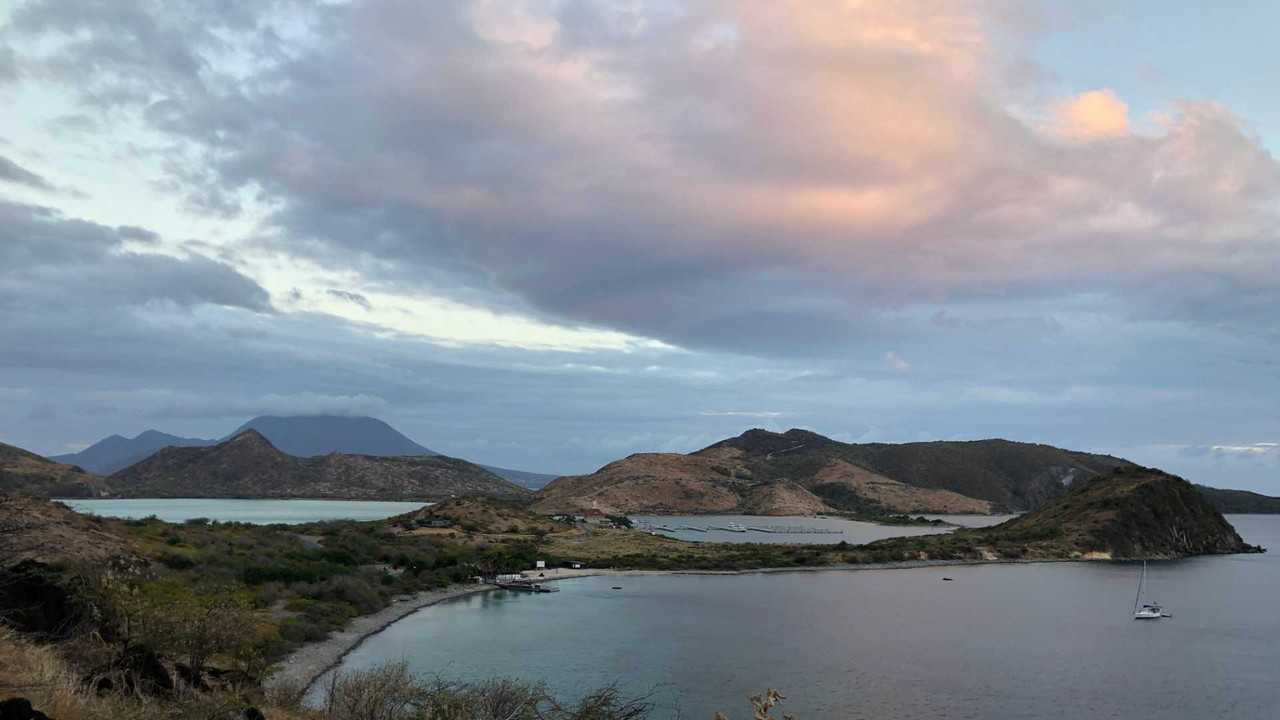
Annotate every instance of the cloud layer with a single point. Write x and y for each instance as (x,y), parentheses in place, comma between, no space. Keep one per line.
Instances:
(858,201)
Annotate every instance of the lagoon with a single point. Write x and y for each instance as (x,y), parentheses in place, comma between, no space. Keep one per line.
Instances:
(1044,640)
(835,529)
(257,512)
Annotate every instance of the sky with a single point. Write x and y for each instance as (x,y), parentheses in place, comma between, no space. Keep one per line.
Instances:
(545,235)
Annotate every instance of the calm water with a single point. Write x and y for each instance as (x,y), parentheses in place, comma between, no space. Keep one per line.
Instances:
(258,512)
(849,531)
(1006,641)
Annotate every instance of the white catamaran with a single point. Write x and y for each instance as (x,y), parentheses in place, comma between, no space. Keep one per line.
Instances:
(1146,611)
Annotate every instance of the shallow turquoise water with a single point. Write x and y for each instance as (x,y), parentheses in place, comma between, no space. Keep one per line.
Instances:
(258,512)
(1001,641)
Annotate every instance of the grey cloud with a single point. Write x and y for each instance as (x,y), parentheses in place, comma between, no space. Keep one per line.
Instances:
(50,259)
(11,171)
(645,170)
(44,412)
(351,297)
(131,232)
(8,64)
(679,210)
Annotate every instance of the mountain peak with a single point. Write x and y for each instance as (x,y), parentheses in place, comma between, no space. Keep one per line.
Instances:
(150,435)
(760,441)
(248,438)
(313,435)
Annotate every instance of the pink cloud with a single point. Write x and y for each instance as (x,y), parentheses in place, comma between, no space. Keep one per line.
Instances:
(1091,115)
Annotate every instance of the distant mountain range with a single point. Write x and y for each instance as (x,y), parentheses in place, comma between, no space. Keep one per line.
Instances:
(300,436)
(758,472)
(801,472)
(250,466)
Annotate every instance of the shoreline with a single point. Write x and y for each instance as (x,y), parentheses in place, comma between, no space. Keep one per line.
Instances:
(304,666)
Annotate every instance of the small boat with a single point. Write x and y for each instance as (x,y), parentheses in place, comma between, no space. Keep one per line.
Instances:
(947,579)
(617,587)
(736,527)
(1146,611)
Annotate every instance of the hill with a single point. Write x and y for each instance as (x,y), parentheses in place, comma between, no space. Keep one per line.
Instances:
(739,475)
(1010,475)
(727,478)
(23,472)
(249,466)
(1240,501)
(302,435)
(116,452)
(523,478)
(1130,513)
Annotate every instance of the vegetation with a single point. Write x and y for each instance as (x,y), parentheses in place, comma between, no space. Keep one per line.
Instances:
(159,619)
(1240,501)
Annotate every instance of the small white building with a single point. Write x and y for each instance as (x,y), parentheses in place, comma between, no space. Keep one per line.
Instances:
(540,565)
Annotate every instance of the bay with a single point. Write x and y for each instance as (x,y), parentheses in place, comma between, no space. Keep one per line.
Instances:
(1045,640)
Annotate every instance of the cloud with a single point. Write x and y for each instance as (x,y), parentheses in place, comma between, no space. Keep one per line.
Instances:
(783,190)
(11,171)
(351,297)
(896,363)
(304,403)
(1091,115)
(757,175)
(62,258)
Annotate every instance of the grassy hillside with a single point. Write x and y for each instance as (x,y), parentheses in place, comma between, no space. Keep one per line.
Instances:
(23,472)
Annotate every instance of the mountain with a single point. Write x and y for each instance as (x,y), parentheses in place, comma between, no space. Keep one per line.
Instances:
(303,436)
(946,477)
(746,477)
(250,466)
(1127,514)
(1011,475)
(311,435)
(1240,501)
(26,473)
(117,452)
(523,478)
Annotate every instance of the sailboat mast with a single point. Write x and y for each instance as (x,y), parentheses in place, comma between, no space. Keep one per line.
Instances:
(1141,579)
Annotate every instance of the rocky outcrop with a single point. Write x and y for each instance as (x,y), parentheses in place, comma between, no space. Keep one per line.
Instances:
(1133,513)
(248,466)
(1129,514)
(40,541)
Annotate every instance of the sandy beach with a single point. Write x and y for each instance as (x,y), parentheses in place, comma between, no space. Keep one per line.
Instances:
(312,660)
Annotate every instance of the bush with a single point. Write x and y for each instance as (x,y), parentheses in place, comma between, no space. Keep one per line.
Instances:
(176,561)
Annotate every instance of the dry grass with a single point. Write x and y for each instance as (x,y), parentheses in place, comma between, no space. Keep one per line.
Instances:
(39,673)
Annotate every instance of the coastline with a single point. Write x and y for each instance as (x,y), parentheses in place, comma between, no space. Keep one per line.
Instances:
(307,664)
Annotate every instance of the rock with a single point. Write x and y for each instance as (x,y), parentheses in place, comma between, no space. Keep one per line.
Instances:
(20,709)
(141,670)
